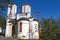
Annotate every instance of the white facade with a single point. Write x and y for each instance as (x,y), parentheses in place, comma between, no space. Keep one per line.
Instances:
(8,30)
(26,27)
(35,30)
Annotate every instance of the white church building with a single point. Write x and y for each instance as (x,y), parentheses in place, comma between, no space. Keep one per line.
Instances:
(21,25)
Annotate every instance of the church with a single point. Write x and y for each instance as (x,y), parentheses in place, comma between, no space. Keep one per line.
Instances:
(22,25)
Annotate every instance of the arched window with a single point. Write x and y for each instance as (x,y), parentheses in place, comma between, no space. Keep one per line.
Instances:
(20,26)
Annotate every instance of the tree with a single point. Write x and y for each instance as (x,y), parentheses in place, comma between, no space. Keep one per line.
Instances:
(3,4)
(2,22)
(50,30)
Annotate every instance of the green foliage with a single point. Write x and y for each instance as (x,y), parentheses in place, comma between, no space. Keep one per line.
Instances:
(3,4)
(50,30)
(2,22)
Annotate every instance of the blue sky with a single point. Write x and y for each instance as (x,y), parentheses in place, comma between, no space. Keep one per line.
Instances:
(46,8)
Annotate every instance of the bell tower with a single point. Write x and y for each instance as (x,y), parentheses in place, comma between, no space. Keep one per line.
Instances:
(12,8)
(11,16)
(26,9)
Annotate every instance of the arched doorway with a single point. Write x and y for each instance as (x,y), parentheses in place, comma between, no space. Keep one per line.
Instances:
(13,30)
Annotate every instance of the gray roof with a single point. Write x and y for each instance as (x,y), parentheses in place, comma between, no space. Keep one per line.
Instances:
(23,18)
(12,20)
(35,20)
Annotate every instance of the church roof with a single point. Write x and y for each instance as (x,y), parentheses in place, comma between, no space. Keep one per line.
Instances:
(31,17)
(12,21)
(35,20)
(23,18)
